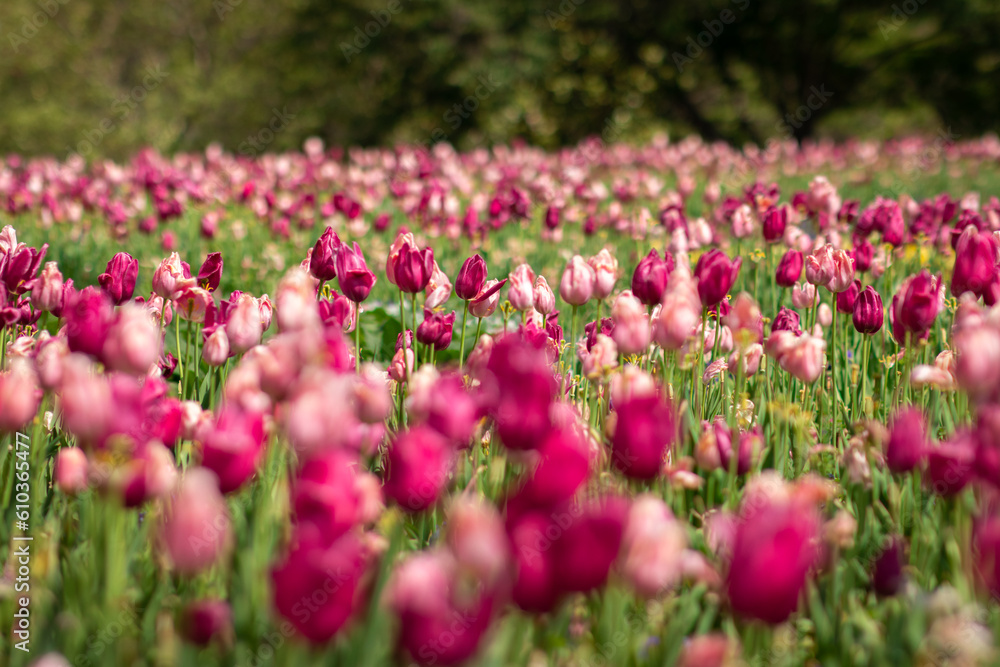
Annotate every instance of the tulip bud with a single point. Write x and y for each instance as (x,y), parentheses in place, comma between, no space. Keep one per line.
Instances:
(521,291)
(544,298)
(471,278)
(215,352)
(170,279)
(322,261)
(355,279)
(842,275)
(414,269)
(868,314)
(907,445)
(243,328)
(71,470)
(486,302)
(605,270)
(804,295)
(133,341)
(205,620)
(632,332)
(846,299)
(418,464)
(716,275)
(19,396)
(652,547)
(646,427)
(775,222)
(577,284)
(789,268)
(438,288)
(649,280)
(47,289)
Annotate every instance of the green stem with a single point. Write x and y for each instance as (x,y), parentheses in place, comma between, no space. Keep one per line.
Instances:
(461,351)
(357,338)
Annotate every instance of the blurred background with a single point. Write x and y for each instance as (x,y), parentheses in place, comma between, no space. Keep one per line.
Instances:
(105,77)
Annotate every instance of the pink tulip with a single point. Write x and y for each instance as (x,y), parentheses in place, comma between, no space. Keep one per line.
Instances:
(215,351)
(19,396)
(243,326)
(544,298)
(170,278)
(842,275)
(486,302)
(71,470)
(418,466)
(196,530)
(820,266)
(577,284)
(605,273)
(133,341)
(521,291)
(652,547)
(804,295)
(47,289)
(232,448)
(438,288)
(632,331)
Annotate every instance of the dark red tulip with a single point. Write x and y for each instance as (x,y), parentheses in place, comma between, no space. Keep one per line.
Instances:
(210,272)
(916,306)
(786,320)
(951,465)
(414,269)
(716,274)
(418,465)
(863,254)
(118,279)
(519,390)
(436,329)
(471,278)
(20,266)
(322,262)
(356,279)
(205,620)
(449,409)
(868,315)
(887,573)
(325,495)
(588,547)
(562,468)
(975,262)
(907,445)
(789,268)
(650,277)
(310,567)
(645,429)
(774,550)
(775,221)
(847,298)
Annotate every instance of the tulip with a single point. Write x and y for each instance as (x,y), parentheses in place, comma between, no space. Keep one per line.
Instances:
(544,298)
(907,445)
(403,239)
(749,358)
(471,278)
(716,275)
(518,389)
(804,295)
(562,468)
(846,299)
(775,222)
(863,254)
(438,288)
(233,446)
(444,404)
(486,302)
(806,359)
(605,270)
(887,573)
(632,332)
(356,280)
(414,269)
(243,326)
(88,318)
(786,320)
(952,464)
(476,536)
(589,546)
(418,465)
(601,358)
(842,275)
(47,289)
(824,315)
(169,279)
(210,272)
(646,427)
(916,306)
(19,396)
(205,620)
(652,547)
(975,262)
(436,329)
(196,530)
(401,366)
(295,301)
(311,567)
(773,552)
(193,303)
(428,597)
(650,277)
(867,313)
(216,349)
(133,341)
(19,267)
(820,266)
(521,292)
(328,493)
(789,268)
(71,470)
(577,284)
(323,260)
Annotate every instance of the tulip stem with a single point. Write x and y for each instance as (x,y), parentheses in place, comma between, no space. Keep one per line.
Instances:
(833,374)
(864,373)
(479,328)
(406,366)
(357,339)
(698,397)
(416,343)
(180,356)
(572,350)
(461,350)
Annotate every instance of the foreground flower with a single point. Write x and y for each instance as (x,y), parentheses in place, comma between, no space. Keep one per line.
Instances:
(774,550)
(418,466)
(196,529)
(716,274)
(650,278)
(356,279)
(471,278)
(644,430)
(577,284)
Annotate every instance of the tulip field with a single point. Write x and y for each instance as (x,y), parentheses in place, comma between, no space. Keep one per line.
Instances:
(668,404)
